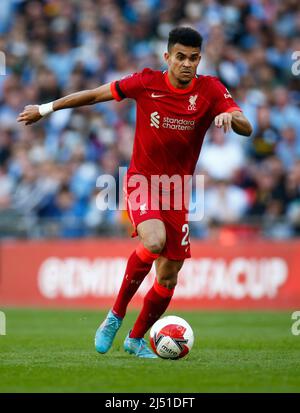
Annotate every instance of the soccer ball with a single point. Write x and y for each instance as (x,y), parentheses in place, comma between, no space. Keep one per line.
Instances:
(171,337)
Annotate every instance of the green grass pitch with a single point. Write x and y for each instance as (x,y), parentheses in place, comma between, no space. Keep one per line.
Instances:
(53,351)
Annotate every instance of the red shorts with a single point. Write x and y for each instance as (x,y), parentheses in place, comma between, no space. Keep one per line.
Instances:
(141,209)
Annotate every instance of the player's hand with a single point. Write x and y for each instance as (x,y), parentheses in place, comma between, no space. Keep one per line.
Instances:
(29,115)
(224,121)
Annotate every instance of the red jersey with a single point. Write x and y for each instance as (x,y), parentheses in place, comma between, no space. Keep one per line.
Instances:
(171,123)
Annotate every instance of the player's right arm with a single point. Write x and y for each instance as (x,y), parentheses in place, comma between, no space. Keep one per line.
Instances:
(33,113)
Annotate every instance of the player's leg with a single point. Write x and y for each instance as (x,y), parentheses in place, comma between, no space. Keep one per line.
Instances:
(152,235)
(156,301)
(152,240)
(155,304)
(159,296)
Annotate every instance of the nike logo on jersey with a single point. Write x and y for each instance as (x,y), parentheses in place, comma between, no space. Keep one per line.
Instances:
(154,95)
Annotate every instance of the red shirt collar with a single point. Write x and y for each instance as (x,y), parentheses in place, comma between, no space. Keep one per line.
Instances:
(176,89)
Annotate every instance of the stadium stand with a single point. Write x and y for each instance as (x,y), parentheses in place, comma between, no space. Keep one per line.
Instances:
(48,171)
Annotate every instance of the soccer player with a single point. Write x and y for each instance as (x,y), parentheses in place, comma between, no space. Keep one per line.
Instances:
(174,110)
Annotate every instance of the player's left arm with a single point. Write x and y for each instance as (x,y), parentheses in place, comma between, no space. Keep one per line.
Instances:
(235,120)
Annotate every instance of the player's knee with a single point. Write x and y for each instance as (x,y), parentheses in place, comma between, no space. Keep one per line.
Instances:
(155,244)
(169,282)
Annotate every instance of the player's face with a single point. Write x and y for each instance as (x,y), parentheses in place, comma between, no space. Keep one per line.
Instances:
(182,62)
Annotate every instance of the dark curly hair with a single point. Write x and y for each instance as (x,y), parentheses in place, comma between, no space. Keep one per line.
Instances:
(185,36)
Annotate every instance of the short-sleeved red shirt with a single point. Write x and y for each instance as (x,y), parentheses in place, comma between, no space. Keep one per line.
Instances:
(171,123)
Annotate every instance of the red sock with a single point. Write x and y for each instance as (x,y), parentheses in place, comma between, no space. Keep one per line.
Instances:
(138,266)
(156,302)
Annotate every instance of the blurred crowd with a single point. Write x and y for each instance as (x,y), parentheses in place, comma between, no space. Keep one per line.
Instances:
(51,48)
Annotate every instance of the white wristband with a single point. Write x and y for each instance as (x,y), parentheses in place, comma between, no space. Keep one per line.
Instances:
(46,108)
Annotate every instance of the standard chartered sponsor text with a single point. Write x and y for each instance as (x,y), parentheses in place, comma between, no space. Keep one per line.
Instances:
(178,124)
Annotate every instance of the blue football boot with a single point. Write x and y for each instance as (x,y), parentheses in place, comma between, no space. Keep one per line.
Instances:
(139,347)
(106,332)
